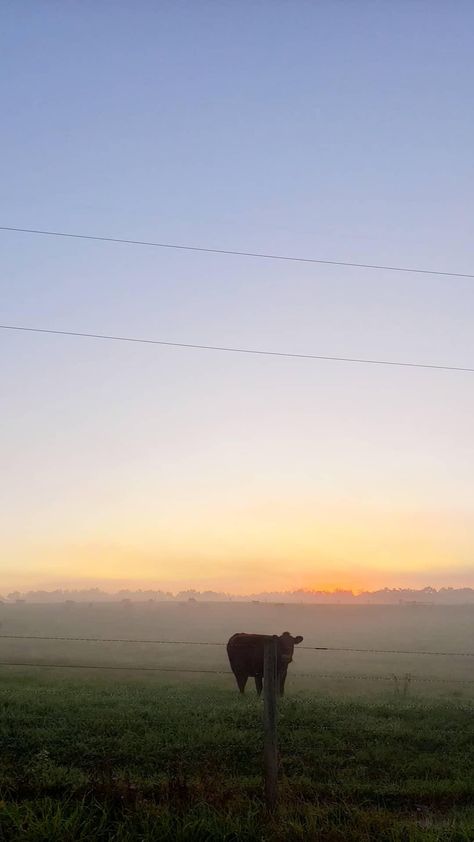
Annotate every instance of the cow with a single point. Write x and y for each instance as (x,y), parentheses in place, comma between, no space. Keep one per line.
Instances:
(245,653)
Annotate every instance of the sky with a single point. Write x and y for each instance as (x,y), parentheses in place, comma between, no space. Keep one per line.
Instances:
(341,131)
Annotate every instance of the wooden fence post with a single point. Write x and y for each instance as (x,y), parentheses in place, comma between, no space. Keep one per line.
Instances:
(270,720)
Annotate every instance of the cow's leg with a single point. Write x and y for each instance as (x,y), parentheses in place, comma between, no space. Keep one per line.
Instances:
(241,680)
(281,682)
(259,684)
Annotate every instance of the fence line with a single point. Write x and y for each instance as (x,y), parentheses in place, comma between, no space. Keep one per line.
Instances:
(109,640)
(392,677)
(400,683)
(110,667)
(211,643)
(389,651)
(328,675)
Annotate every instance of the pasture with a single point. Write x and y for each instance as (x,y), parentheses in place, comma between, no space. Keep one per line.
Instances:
(121,755)
(86,759)
(404,628)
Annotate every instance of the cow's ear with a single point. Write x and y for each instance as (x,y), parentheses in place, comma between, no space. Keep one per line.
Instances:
(298,639)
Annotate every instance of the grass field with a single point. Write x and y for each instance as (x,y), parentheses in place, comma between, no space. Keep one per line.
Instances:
(87,759)
(122,755)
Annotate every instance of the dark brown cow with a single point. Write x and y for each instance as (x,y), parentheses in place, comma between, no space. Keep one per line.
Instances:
(245,653)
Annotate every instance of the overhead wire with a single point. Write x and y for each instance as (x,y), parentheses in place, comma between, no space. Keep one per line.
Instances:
(237,350)
(237,252)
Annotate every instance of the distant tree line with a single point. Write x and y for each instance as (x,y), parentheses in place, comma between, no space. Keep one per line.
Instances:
(384,596)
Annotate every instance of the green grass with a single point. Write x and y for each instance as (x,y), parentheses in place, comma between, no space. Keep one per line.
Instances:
(97,759)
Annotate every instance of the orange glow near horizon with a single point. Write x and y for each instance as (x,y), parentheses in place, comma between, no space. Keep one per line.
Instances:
(260,548)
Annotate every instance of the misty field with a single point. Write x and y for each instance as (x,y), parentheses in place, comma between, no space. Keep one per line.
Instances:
(405,628)
(88,759)
(372,746)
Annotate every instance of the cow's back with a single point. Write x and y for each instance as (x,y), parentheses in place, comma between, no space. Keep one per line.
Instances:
(245,653)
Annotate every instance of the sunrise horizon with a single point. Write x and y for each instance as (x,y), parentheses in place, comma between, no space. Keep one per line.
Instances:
(299,217)
(416,582)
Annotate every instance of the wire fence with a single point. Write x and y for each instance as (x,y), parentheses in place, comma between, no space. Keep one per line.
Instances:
(369,651)
(398,685)
(404,679)
(320,675)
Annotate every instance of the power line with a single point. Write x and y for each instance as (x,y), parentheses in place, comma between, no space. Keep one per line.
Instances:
(213,643)
(232,350)
(237,253)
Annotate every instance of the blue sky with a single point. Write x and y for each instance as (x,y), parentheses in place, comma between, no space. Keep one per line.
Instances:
(333,130)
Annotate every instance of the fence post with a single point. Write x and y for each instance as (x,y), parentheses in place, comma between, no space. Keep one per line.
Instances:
(270,720)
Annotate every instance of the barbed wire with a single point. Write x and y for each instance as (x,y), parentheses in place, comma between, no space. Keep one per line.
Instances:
(388,651)
(111,667)
(109,640)
(370,651)
(408,677)
(393,677)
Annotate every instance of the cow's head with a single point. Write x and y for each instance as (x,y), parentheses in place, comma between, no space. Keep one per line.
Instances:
(286,646)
